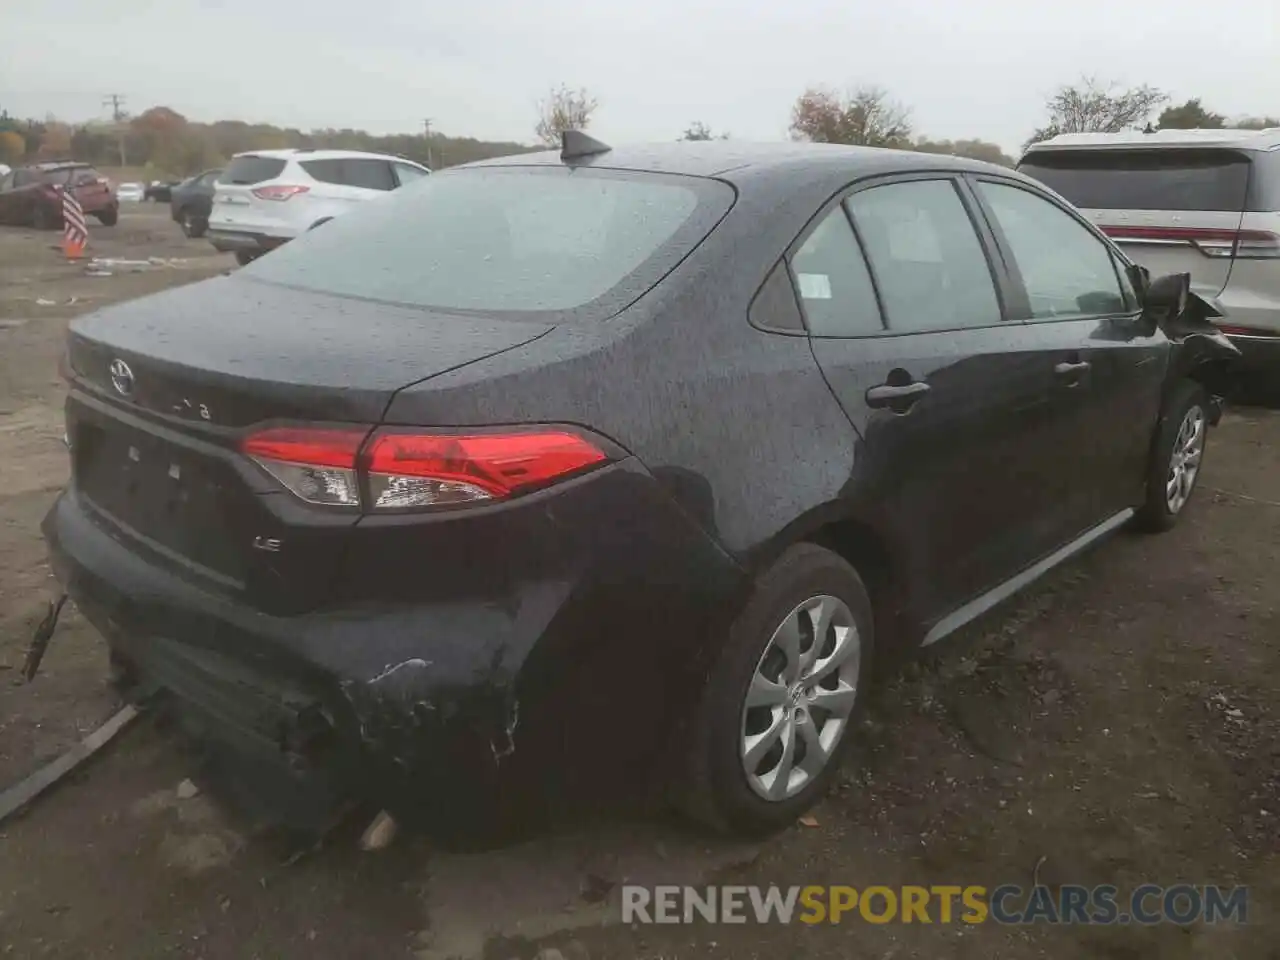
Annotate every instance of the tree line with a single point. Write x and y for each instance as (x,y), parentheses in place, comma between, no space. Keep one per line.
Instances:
(167,143)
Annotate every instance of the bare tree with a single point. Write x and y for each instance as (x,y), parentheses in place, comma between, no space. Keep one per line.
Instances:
(1091,106)
(866,117)
(564,109)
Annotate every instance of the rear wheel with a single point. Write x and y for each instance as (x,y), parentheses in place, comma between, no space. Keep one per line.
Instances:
(774,719)
(245,257)
(1176,457)
(109,216)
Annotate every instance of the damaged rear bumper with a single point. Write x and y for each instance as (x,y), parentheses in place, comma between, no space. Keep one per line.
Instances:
(433,703)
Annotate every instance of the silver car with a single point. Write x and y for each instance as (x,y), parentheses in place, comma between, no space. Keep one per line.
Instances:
(1204,202)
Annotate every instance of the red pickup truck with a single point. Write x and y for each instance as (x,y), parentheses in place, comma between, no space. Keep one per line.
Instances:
(31,196)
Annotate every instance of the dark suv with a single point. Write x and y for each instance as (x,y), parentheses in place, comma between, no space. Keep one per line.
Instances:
(567,466)
(32,196)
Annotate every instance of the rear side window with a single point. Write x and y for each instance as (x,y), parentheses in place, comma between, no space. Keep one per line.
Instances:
(351,172)
(1067,271)
(1153,179)
(521,240)
(832,281)
(62,176)
(250,169)
(928,262)
(369,174)
(326,171)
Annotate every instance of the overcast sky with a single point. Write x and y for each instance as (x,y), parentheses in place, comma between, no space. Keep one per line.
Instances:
(967,68)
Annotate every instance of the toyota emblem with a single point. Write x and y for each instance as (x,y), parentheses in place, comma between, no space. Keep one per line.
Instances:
(122,378)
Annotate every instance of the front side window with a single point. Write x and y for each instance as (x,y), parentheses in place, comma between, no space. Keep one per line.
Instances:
(1068,272)
(407,173)
(832,281)
(928,262)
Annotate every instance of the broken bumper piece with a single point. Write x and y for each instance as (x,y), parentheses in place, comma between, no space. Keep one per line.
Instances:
(334,698)
(431,707)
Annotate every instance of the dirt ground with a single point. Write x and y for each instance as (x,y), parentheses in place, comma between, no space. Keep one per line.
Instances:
(1119,723)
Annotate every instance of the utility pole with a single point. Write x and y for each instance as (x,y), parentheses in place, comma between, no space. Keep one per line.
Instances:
(116,102)
(426,132)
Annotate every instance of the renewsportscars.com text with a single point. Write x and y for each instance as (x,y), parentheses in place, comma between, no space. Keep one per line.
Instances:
(1007,904)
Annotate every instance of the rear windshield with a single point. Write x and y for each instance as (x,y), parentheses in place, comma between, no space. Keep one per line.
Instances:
(1144,179)
(509,240)
(252,169)
(63,175)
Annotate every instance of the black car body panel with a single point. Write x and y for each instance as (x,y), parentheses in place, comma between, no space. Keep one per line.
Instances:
(481,637)
(192,198)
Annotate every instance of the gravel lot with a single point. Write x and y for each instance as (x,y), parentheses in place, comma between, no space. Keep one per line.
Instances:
(1120,723)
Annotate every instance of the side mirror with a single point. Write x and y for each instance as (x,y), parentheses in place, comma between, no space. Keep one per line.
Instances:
(1165,298)
(1140,277)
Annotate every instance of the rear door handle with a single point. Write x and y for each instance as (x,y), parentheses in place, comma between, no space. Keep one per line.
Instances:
(897,397)
(1068,369)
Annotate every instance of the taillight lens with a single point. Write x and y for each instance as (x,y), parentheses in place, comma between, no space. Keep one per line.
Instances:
(278,191)
(1237,331)
(316,465)
(407,470)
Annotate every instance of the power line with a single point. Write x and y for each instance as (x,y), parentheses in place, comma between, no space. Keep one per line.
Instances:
(116,102)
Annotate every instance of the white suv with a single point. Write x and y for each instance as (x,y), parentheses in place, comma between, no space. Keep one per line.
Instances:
(267,197)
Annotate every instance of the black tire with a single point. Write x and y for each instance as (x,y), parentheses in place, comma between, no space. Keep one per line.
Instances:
(1157,514)
(109,217)
(717,791)
(42,218)
(192,226)
(244,257)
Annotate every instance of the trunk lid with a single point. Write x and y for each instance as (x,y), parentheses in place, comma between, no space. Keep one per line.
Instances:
(164,387)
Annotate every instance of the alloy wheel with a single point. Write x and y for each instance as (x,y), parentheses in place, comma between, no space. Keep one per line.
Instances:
(800,699)
(1184,462)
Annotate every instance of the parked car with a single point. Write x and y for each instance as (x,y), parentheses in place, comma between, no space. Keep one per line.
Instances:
(268,197)
(161,191)
(191,200)
(31,196)
(1202,201)
(566,465)
(129,193)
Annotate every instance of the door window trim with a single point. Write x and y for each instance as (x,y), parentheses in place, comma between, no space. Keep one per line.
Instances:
(1009,293)
(1118,258)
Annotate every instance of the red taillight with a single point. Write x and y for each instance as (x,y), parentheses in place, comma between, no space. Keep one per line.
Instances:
(278,191)
(407,470)
(1234,330)
(316,464)
(1242,244)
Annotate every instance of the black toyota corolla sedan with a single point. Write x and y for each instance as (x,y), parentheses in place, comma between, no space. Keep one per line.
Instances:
(570,465)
